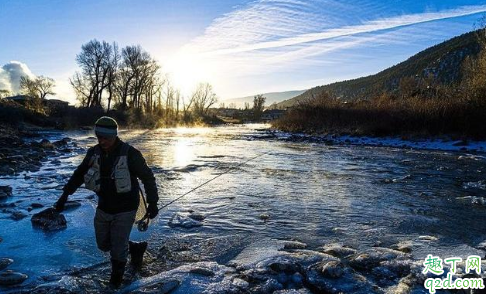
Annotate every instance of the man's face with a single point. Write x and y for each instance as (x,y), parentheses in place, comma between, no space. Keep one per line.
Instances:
(106,142)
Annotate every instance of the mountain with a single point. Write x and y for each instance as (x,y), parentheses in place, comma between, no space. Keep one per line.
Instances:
(273,97)
(441,62)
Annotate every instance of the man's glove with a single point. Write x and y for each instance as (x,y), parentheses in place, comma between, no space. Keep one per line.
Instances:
(152,210)
(59,205)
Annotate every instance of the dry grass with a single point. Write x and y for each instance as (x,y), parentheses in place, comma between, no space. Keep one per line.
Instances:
(386,115)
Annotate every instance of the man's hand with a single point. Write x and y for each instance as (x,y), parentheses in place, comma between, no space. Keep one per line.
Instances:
(152,210)
(59,205)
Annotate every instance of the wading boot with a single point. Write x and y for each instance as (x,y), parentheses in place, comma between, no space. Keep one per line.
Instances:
(117,271)
(136,249)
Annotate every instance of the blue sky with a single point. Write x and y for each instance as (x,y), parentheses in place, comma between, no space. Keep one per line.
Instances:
(240,47)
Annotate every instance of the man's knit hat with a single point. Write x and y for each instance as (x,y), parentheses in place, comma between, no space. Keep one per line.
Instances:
(106,126)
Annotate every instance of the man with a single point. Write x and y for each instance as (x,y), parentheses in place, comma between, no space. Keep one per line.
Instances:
(111,169)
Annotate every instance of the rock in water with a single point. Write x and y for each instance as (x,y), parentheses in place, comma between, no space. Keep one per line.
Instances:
(180,220)
(17,215)
(4,262)
(10,277)
(197,216)
(36,205)
(333,269)
(5,191)
(49,219)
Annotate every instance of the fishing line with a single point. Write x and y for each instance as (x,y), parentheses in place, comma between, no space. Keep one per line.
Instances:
(142,224)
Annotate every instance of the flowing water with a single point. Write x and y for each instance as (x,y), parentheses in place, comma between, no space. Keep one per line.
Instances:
(314,193)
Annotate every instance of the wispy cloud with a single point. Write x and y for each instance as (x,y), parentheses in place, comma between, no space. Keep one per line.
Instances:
(271,35)
(370,27)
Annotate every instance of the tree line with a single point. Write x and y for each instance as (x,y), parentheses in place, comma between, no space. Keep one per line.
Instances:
(131,79)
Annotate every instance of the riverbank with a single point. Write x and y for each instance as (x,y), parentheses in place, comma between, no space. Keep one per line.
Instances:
(443,143)
(26,150)
(262,266)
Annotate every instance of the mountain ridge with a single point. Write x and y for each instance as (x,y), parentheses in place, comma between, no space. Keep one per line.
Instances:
(272,97)
(441,62)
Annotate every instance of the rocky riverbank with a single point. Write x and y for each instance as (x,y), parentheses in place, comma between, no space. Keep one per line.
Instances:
(22,152)
(265,266)
(442,143)
(26,151)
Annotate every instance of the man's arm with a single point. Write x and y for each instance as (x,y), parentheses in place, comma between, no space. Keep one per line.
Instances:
(77,179)
(139,168)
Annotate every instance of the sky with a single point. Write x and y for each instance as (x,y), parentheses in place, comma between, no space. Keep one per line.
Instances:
(241,47)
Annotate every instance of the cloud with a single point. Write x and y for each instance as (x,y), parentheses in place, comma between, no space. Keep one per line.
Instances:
(368,27)
(10,75)
(271,36)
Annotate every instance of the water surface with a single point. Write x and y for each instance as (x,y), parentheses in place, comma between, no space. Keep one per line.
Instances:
(356,195)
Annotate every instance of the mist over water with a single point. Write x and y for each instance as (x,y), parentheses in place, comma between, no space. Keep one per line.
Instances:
(309,192)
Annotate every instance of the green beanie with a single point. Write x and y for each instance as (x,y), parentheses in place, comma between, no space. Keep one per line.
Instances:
(106,126)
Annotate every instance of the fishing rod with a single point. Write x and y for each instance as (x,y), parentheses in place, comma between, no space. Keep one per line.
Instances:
(142,224)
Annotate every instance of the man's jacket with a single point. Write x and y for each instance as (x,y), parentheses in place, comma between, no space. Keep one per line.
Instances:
(109,200)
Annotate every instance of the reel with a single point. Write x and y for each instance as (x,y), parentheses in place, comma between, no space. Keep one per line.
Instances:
(143,224)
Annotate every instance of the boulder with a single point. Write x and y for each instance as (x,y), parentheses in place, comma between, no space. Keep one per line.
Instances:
(49,219)
(10,277)
(5,191)
(289,245)
(332,269)
(5,262)
(180,220)
(46,144)
(338,250)
(17,215)
(36,205)
(62,142)
(197,216)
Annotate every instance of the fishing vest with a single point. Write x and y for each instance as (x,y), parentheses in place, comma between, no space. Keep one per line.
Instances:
(119,172)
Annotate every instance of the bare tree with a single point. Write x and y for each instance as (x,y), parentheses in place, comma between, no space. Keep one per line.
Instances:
(45,86)
(82,88)
(112,73)
(37,89)
(98,62)
(203,98)
(137,78)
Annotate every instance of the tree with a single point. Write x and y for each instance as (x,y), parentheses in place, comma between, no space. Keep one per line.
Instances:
(36,89)
(98,62)
(4,93)
(258,105)
(82,88)
(45,86)
(138,78)
(203,98)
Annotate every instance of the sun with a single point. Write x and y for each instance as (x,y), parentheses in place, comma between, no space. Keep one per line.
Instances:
(186,70)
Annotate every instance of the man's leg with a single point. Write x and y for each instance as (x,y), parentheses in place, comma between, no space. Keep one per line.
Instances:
(120,229)
(136,249)
(102,223)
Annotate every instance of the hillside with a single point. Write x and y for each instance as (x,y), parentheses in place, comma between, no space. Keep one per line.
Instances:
(272,97)
(441,62)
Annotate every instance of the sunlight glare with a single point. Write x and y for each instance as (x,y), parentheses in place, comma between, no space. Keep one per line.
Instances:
(186,70)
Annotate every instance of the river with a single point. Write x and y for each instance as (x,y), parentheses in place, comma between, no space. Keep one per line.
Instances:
(314,193)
